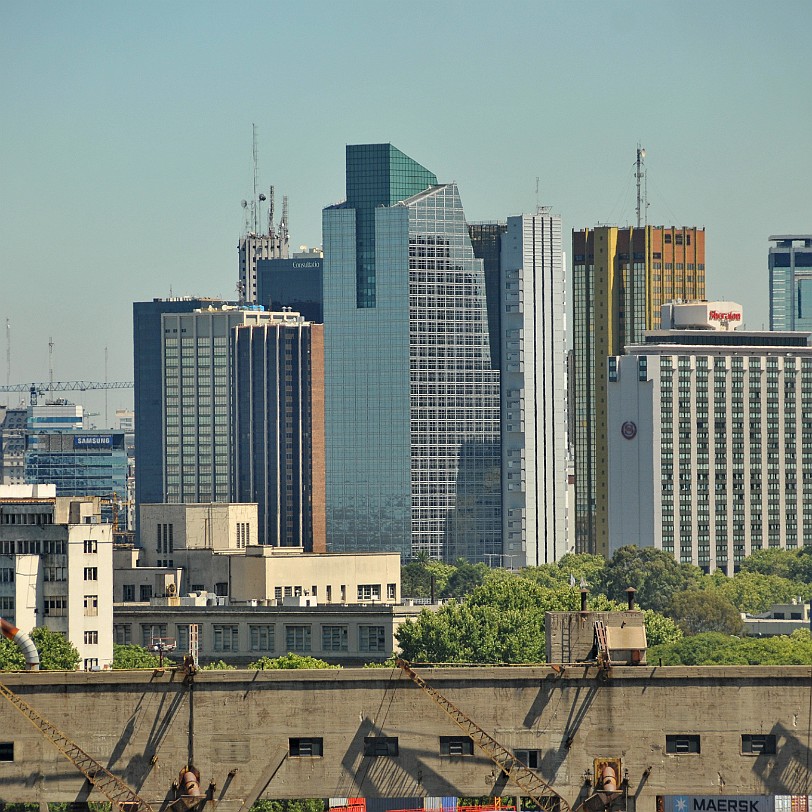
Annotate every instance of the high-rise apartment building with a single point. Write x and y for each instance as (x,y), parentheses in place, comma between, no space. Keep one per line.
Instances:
(790,264)
(411,393)
(524,274)
(278,428)
(12,445)
(621,277)
(710,439)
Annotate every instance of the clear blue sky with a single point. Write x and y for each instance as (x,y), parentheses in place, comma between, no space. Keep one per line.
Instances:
(125,136)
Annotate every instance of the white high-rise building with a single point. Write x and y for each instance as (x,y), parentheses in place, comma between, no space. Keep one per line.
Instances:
(710,439)
(533,387)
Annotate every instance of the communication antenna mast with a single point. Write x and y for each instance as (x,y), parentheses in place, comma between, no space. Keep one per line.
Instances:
(254,199)
(640,173)
(51,360)
(283,225)
(271,211)
(8,352)
(537,192)
(106,421)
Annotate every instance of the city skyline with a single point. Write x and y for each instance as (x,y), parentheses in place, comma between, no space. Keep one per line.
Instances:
(128,145)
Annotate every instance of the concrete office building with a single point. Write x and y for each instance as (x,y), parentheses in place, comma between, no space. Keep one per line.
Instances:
(411,393)
(790,266)
(710,440)
(255,246)
(524,273)
(56,568)
(278,428)
(621,277)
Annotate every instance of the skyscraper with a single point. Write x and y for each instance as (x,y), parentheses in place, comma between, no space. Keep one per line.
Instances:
(411,394)
(278,428)
(149,392)
(621,277)
(524,274)
(790,264)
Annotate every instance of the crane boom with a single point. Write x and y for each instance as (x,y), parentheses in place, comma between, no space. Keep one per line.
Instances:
(113,788)
(514,770)
(40,387)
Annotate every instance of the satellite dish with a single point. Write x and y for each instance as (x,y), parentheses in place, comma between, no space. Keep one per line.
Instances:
(262,197)
(244,204)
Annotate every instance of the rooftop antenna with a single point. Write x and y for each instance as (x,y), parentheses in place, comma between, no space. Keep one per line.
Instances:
(254,199)
(106,422)
(51,362)
(639,174)
(283,225)
(537,192)
(271,212)
(244,204)
(8,352)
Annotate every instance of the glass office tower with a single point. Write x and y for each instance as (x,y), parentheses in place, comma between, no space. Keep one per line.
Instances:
(411,395)
(790,264)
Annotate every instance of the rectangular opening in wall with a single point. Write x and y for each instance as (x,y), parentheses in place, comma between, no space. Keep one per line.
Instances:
(306,748)
(6,751)
(682,744)
(456,746)
(530,758)
(380,746)
(758,744)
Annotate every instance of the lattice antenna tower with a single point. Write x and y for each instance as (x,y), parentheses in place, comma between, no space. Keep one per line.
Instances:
(8,352)
(271,211)
(254,200)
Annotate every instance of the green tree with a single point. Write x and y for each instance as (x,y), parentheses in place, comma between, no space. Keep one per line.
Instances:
(697,611)
(56,653)
(133,656)
(660,629)
(296,805)
(289,660)
(415,578)
(655,575)
(713,648)
(570,567)
(753,592)
(218,665)
(465,579)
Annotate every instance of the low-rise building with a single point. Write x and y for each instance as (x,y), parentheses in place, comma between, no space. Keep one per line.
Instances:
(780,618)
(346,635)
(56,568)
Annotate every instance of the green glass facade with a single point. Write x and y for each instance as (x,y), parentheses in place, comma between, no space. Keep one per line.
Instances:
(412,399)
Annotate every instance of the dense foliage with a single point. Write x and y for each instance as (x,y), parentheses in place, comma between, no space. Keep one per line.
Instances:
(133,656)
(55,652)
(289,661)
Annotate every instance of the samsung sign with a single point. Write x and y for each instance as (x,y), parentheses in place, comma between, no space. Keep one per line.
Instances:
(92,441)
(719,803)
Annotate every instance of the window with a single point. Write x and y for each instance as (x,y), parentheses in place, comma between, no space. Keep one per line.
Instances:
(334,638)
(531,758)
(758,744)
(91,638)
(6,751)
(306,748)
(391,592)
(262,638)
(371,638)
(91,546)
(122,634)
(380,746)
(146,592)
(55,607)
(226,638)
(456,746)
(152,632)
(91,664)
(91,573)
(297,638)
(6,575)
(91,605)
(129,593)
(681,744)
(369,592)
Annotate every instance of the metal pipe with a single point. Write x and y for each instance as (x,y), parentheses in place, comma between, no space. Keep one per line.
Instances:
(23,642)
(190,784)
(584,593)
(608,778)
(630,593)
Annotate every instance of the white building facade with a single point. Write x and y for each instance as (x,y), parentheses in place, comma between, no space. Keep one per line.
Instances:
(533,388)
(710,444)
(56,568)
